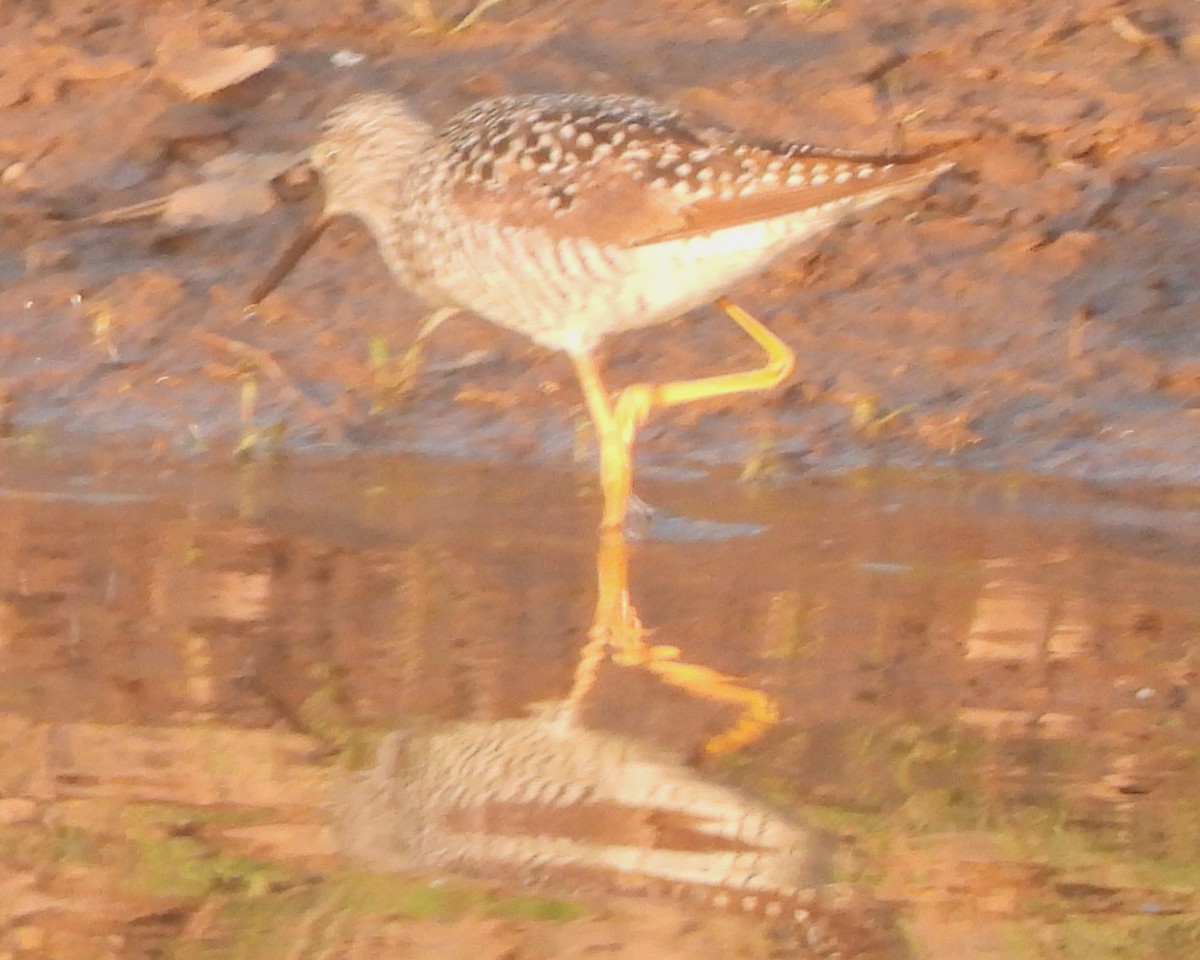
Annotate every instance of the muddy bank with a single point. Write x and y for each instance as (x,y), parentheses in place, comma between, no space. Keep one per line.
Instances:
(1034,313)
(981,687)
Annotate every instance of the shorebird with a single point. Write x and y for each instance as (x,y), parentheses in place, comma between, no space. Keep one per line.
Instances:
(569,217)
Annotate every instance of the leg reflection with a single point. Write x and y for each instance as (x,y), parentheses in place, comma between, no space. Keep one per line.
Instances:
(617,631)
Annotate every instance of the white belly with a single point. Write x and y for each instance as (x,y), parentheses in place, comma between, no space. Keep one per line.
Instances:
(568,294)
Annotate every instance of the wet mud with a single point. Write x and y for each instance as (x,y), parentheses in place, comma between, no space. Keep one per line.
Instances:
(1033,313)
(904,666)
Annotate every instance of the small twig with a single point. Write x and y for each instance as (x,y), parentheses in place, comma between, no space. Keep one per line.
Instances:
(145,210)
(480,8)
(429,22)
(1130,32)
(331,427)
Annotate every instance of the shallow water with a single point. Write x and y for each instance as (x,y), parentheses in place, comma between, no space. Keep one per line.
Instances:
(983,688)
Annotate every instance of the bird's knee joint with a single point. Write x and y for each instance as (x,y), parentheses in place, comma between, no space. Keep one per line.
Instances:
(634,404)
(783,368)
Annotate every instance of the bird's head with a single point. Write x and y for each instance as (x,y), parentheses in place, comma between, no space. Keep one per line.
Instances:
(366,142)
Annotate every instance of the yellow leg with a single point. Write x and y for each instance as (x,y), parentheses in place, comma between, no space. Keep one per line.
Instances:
(616,466)
(781,361)
(617,426)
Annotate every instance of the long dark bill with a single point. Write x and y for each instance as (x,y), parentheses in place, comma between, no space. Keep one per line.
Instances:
(291,256)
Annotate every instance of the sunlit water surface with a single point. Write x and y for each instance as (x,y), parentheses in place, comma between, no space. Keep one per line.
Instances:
(981,692)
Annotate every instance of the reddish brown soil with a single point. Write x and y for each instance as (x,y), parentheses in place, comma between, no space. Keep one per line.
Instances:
(1035,312)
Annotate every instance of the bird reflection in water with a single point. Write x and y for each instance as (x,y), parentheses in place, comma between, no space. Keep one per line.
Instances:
(543,799)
